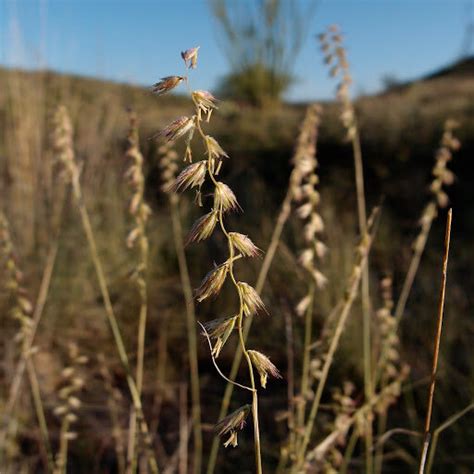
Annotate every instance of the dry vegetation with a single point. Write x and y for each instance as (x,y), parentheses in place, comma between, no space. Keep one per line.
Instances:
(80,181)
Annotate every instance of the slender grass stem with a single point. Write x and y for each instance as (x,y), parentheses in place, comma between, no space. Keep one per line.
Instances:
(351,294)
(39,409)
(122,353)
(290,387)
(61,457)
(306,359)
(140,218)
(261,280)
(366,319)
(36,318)
(437,343)
(449,422)
(412,271)
(331,42)
(191,330)
(381,428)
(349,451)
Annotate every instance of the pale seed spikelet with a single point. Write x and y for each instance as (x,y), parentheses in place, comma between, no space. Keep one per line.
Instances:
(231,424)
(327,457)
(166,84)
(182,126)
(442,177)
(308,198)
(62,142)
(215,153)
(22,306)
(243,244)
(167,158)
(192,176)
(224,198)
(304,160)
(303,305)
(72,383)
(212,283)
(251,301)
(205,103)
(389,367)
(138,208)
(264,367)
(202,228)
(220,330)
(335,54)
(137,237)
(190,57)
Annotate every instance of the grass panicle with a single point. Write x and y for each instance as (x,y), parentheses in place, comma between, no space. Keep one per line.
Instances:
(224,200)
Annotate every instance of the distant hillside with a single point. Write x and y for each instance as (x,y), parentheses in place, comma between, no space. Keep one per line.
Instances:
(462,68)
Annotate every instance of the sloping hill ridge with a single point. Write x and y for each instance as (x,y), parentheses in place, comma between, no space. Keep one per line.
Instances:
(461,68)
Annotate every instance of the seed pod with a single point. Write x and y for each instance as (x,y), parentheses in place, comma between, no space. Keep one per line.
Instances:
(244,245)
(264,367)
(212,282)
(251,301)
(178,128)
(220,330)
(231,424)
(202,228)
(190,57)
(224,198)
(191,176)
(165,84)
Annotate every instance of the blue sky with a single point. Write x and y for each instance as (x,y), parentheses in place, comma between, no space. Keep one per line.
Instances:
(139,41)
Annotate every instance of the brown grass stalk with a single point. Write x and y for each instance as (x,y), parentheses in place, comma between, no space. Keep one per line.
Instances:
(437,342)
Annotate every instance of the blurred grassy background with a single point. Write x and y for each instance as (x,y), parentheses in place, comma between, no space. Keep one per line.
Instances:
(400,129)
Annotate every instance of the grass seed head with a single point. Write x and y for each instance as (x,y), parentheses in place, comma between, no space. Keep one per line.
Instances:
(212,282)
(193,175)
(215,153)
(251,301)
(233,423)
(243,244)
(190,57)
(202,228)
(166,84)
(178,128)
(224,198)
(264,367)
(205,103)
(220,330)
